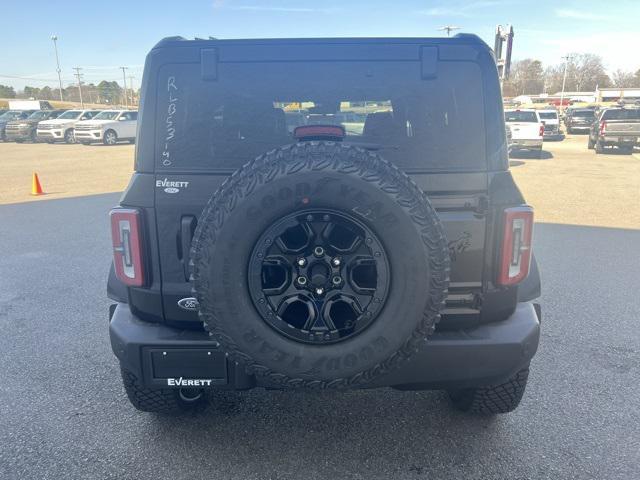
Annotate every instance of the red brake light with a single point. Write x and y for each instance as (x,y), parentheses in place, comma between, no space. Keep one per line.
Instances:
(603,128)
(515,257)
(127,245)
(542,130)
(319,131)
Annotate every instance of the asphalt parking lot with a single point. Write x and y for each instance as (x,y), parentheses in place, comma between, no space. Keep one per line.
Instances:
(63,412)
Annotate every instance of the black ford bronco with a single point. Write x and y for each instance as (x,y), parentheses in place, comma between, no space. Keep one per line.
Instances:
(322,214)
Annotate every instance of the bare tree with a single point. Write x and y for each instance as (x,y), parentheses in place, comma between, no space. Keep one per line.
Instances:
(527,77)
(585,72)
(623,79)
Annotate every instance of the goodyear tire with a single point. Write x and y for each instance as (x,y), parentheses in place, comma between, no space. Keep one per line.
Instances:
(395,229)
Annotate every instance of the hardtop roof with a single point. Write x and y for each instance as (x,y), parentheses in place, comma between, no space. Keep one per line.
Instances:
(459,39)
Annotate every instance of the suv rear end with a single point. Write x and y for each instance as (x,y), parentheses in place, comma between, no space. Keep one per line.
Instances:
(431,107)
(551,121)
(579,120)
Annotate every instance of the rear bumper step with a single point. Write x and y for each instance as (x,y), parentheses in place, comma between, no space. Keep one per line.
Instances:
(164,357)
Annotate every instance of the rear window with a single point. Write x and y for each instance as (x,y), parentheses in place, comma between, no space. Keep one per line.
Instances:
(520,116)
(385,106)
(583,113)
(621,114)
(548,115)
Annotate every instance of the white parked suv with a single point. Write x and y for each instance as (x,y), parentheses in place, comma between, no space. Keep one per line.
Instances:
(527,129)
(108,127)
(63,127)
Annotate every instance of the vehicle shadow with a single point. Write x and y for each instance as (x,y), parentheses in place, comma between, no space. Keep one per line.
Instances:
(617,151)
(531,155)
(516,163)
(356,431)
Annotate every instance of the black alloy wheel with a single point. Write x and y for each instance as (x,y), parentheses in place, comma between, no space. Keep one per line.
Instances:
(318,276)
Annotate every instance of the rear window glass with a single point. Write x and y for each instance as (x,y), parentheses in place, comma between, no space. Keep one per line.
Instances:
(583,113)
(385,106)
(519,116)
(548,115)
(621,114)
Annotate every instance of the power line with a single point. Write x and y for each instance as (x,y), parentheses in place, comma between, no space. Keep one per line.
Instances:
(30,78)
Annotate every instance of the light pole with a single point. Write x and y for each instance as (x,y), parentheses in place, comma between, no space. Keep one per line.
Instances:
(55,47)
(564,79)
(124,79)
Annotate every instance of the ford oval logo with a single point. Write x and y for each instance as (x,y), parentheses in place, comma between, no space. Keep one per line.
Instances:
(172,190)
(188,303)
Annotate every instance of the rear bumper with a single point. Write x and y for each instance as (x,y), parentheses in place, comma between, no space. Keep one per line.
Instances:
(579,127)
(526,144)
(485,355)
(619,139)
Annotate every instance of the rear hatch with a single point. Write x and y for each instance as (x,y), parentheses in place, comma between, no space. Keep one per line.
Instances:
(433,110)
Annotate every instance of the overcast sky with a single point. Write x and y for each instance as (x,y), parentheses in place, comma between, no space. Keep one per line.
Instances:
(102,36)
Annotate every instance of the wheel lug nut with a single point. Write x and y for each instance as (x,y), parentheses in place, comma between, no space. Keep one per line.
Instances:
(336,262)
(318,251)
(301,262)
(302,280)
(336,280)
(319,291)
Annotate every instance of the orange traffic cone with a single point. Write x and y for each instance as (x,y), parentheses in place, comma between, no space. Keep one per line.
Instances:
(36,188)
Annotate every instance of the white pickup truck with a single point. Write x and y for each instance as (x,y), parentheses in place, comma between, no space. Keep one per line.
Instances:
(527,130)
(108,127)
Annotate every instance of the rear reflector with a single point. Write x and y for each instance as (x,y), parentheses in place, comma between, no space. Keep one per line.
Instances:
(515,257)
(310,132)
(127,245)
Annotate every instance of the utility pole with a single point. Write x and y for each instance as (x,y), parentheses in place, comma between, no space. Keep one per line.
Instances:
(133,94)
(79,77)
(124,79)
(55,48)
(564,79)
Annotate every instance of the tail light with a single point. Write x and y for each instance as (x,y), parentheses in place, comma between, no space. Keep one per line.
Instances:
(603,128)
(541,130)
(126,234)
(516,245)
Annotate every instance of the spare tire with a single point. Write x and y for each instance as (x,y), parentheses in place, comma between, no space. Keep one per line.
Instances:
(319,265)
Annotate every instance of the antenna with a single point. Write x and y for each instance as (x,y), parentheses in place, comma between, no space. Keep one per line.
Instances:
(448,29)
